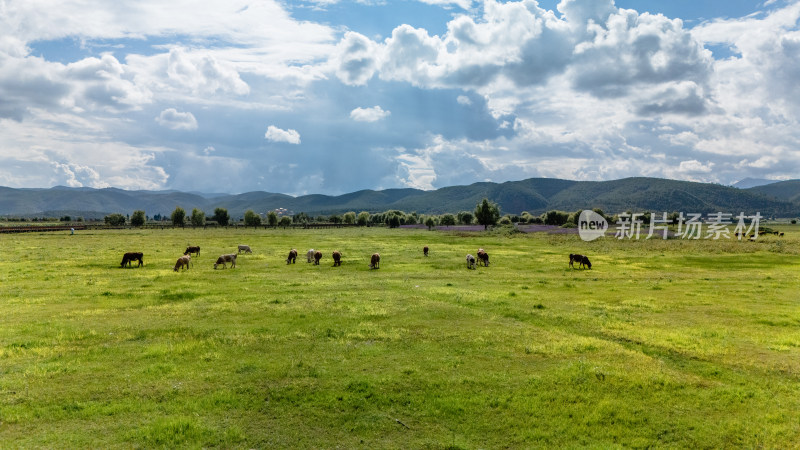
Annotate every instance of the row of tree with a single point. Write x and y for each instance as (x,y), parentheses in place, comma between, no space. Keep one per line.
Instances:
(486,213)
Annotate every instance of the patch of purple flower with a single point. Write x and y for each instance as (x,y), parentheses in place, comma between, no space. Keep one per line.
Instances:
(525,228)
(447,228)
(553,229)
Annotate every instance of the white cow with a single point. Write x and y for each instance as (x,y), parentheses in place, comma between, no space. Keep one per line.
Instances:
(310,255)
(470,262)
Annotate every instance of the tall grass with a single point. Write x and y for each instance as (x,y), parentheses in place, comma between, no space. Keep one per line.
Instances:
(662,343)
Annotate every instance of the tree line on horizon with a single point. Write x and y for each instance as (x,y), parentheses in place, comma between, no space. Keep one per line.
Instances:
(486,213)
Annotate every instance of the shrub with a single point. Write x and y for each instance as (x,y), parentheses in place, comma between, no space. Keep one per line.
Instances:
(430,223)
(272,218)
(465,217)
(198,217)
(115,219)
(487,213)
(221,216)
(178,217)
(251,219)
(301,218)
(447,220)
(138,218)
(554,217)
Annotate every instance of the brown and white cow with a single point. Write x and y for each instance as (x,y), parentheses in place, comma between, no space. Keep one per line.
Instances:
(183,261)
(470,261)
(375,261)
(337,258)
(483,257)
(223,259)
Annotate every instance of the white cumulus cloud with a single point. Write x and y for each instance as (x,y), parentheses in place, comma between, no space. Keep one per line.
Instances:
(275,134)
(173,119)
(695,166)
(373,114)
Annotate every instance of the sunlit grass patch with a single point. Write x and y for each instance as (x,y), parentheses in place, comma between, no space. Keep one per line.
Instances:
(661,343)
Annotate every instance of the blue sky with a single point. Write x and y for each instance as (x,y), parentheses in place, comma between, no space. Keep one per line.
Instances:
(332,96)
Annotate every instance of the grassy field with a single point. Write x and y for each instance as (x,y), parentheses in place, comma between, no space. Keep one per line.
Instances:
(662,343)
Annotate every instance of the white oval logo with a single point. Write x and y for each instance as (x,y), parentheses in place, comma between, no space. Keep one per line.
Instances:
(591,225)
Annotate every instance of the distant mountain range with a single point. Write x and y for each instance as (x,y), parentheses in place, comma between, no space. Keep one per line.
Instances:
(752,182)
(536,195)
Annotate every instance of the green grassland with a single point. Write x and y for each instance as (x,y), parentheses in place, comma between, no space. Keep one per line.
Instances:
(663,343)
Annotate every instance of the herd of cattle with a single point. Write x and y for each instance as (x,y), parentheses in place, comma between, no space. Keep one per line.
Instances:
(185,261)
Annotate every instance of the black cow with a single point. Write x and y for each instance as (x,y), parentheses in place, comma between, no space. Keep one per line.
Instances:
(129,257)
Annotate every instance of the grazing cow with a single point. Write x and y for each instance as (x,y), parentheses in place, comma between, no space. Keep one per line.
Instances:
(583,261)
(483,257)
(337,259)
(425,250)
(190,250)
(245,248)
(317,257)
(183,261)
(129,257)
(375,261)
(226,259)
(780,234)
(470,262)
(310,255)
(574,257)
(292,257)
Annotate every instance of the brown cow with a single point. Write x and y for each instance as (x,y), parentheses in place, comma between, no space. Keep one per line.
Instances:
(129,257)
(226,259)
(425,250)
(317,257)
(183,261)
(190,250)
(337,259)
(483,257)
(292,256)
(375,261)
